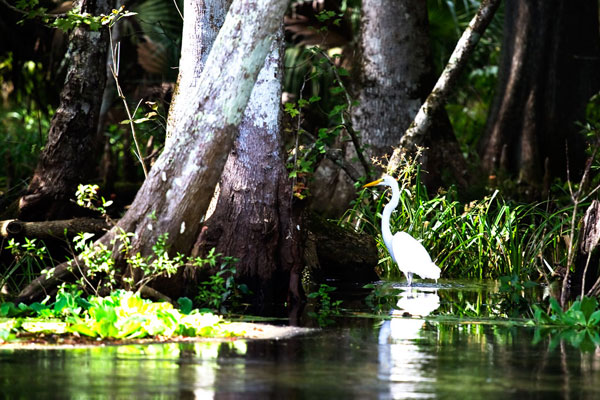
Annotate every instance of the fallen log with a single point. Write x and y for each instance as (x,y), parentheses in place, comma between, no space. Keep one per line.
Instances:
(341,253)
(15,228)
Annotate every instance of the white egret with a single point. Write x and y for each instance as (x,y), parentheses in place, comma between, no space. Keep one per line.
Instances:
(408,253)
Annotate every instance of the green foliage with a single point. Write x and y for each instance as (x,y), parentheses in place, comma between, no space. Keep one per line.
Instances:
(325,307)
(74,19)
(29,259)
(100,264)
(24,133)
(122,315)
(220,290)
(115,15)
(87,197)
(323,97)
(579,325)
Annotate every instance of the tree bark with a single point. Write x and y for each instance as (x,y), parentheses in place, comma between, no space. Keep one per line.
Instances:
(548,70)
(203,19)
(67,158)
(253,218)
(584,279)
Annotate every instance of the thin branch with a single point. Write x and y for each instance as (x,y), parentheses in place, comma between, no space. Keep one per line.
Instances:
(114,69)
(177,8)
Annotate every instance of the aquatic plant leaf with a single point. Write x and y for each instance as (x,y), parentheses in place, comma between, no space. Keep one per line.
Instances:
(38,326)
(9,310)
(185,305)
(588,305)
(555,307)
(594,319)
(541,316)
(574,317)
(82,328)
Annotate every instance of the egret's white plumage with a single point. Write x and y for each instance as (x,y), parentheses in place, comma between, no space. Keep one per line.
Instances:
(408,253)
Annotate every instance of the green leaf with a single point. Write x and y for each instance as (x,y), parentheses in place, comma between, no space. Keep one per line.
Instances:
(9,310)
(588,306)
(185,305)
(594,319)
(342,72)
(555,307)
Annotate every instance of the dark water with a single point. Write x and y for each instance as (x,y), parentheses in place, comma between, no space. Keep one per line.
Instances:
(358,358)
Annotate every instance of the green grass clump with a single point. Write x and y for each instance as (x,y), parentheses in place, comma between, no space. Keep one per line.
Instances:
(486,238)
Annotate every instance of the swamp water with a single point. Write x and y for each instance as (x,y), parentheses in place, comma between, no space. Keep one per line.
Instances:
(357,357)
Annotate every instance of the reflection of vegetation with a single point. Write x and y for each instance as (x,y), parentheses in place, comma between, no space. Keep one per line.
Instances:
(383,297)
(579,325)
(583,314)
(513,300)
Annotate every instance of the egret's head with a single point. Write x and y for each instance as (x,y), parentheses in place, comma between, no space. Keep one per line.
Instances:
(385,180)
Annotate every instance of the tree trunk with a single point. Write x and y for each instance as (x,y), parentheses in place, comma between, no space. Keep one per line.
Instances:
(395,73)
(585,275)
(67,158)
(549,69)
(202,24)
(253,219)
(394,78)
(181,183)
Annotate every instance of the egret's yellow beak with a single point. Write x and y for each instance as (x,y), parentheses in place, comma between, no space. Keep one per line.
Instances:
(374,183)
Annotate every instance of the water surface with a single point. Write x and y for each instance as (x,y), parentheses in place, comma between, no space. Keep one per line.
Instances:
(356,358)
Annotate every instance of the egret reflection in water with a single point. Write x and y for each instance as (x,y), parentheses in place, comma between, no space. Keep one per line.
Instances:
(401,361)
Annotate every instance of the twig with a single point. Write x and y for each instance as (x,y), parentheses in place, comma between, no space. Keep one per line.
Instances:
(114,69)
(177,8)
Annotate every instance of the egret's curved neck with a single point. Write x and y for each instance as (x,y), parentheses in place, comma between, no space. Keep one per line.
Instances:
(386,232)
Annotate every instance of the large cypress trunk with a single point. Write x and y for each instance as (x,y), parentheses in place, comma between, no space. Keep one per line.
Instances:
(394,77)
(549,69)
(67,159)
(253,218)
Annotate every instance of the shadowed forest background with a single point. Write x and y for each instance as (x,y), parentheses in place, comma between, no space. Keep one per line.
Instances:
(173,141)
